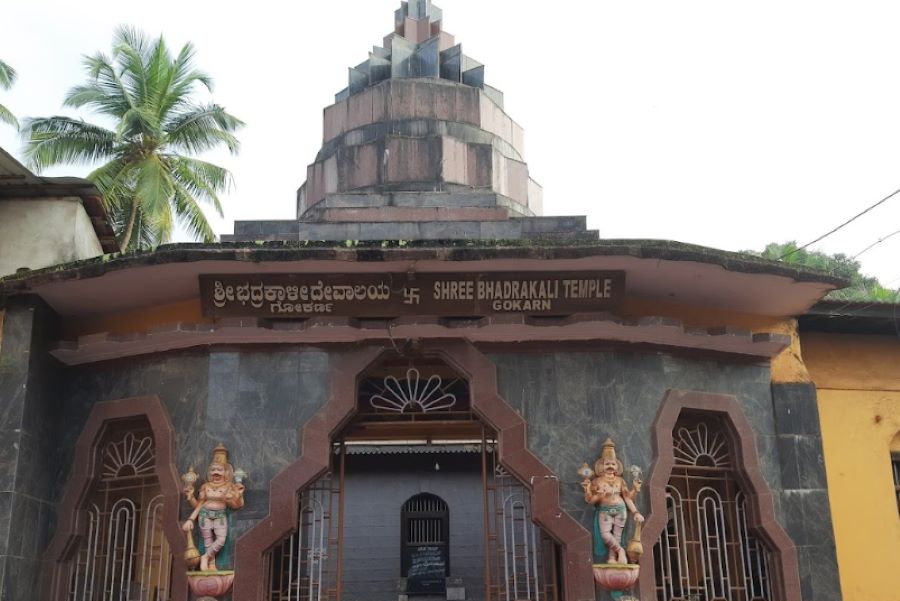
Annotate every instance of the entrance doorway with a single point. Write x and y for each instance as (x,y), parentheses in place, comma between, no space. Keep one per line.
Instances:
(425,544)
(416,505)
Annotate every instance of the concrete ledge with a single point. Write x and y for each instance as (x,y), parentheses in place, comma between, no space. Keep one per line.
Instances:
(498,329)
(442,227)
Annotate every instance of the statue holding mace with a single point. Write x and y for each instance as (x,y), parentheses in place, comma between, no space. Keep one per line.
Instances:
(606,489)
(222,493)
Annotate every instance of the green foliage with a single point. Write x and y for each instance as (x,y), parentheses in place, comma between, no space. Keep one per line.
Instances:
(7,79)
(147,177)
(862,288)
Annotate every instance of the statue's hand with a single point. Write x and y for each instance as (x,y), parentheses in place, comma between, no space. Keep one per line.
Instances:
(638,517)
(188,526)
(240,489)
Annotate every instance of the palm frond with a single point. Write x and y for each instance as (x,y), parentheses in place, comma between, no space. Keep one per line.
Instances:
(163,225)
(115,180)
(201,179)
(191,216)
(202,128)
(158,71)
(6,116)
(7,76)
(184,77)
(56,140)
(118,97)
(154,186)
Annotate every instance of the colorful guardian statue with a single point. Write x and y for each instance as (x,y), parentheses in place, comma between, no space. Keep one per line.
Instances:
(222,493)
(615,567)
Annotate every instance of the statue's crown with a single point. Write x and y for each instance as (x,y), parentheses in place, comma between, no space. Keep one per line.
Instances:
(220,454)
(609,450)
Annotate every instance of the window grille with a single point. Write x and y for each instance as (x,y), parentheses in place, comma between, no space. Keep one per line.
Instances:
(707,552)
(124,555)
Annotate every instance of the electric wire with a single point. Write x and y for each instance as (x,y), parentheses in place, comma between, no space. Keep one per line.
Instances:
(840,227)
(873,245)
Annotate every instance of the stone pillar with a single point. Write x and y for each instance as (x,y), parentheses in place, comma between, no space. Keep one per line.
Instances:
(28,376)
(805,510)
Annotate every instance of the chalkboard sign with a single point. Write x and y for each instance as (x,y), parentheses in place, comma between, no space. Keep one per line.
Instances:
(427,569)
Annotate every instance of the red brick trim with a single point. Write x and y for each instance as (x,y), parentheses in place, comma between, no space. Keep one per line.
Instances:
(761,514)
(70,529)
(574,539)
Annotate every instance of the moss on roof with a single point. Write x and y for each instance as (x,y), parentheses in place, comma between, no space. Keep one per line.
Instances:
(391,250)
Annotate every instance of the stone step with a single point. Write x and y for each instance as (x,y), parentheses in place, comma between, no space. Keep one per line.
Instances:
(563,228)
(420,214)
(416,200)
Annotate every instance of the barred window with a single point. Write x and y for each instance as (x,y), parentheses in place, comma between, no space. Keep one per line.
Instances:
(124,554)
(707,551)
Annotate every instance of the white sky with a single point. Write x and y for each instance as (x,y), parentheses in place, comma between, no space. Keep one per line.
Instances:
(722,123)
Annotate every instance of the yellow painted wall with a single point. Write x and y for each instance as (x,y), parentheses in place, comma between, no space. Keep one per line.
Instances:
(858,382)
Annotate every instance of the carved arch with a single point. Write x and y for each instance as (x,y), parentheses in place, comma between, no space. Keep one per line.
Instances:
(85,473)
(760,514)
(573,538)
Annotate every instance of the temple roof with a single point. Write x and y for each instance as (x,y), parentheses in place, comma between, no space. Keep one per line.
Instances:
(418,147)
(418,47)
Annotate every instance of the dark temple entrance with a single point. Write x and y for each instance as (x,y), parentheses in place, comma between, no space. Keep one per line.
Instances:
(425,544)
(416,505)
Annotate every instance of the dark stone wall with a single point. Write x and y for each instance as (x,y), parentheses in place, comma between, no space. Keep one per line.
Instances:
(573,401)
(254,402)
(804,494)
(28,384)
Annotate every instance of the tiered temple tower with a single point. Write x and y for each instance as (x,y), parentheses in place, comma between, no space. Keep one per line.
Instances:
(418,147)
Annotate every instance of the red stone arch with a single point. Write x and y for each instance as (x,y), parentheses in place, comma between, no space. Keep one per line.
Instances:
(761,512)
(574,540)
(70,529)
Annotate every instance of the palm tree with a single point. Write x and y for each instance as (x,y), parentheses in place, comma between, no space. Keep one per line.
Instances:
(147,180)
(7,79)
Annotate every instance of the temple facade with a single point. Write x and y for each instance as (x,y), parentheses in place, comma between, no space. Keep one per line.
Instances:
(420,388)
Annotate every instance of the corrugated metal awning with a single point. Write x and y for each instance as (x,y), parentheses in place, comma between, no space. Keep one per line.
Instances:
(418,449)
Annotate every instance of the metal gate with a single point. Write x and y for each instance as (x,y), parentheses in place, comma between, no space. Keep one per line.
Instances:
(520,560)
(306,566)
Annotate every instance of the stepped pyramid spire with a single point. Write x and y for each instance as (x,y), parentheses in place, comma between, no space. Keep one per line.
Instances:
(417,146)
(418,47)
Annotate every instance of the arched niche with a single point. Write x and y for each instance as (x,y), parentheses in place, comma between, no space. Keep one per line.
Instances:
(123,491)
(683,415)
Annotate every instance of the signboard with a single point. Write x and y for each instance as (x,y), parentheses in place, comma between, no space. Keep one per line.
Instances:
(427,569)
(299,296)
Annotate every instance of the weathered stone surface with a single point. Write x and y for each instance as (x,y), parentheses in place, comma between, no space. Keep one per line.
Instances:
(28,390)
(254,402)
(804,497)
(573,401)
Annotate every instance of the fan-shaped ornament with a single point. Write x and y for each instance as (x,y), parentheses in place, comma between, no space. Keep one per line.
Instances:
(697,446)
(128,457)
(413,394)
